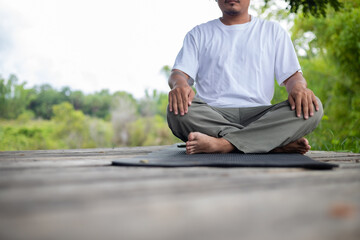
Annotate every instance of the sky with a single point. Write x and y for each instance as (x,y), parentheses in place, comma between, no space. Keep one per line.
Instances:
(90,45)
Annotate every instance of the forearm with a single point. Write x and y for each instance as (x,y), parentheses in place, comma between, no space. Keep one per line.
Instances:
(295,79)
(178,78)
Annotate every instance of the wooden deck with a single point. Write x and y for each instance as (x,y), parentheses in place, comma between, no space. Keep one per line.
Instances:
(77,194)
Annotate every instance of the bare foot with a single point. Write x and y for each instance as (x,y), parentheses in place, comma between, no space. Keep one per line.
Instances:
(202,143)
(299,146)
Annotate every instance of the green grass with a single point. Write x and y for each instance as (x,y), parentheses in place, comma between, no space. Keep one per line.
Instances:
(325,139)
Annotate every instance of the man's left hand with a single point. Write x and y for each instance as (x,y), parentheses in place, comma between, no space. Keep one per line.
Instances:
(301,98)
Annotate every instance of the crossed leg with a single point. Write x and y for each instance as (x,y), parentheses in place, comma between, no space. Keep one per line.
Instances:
(274,128)
(202,143)
(299,146)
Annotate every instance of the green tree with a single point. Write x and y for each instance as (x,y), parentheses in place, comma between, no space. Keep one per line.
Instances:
(151,130)
(314,7)
(71,126)
(331,65)
(98,104)
(46,98)
(77,99)
(14,98)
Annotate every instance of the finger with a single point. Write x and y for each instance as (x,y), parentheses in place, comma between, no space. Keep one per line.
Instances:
(191,96)
(311,106)
(180,104)
(292,102)
(298,106)
(170,102)
(314,100)
(175,105)
(185,101)
(305,106)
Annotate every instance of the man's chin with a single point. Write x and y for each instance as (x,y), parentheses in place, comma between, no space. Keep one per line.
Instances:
(232,12)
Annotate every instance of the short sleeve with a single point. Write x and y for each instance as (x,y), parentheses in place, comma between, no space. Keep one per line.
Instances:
(187,59)
(286,61)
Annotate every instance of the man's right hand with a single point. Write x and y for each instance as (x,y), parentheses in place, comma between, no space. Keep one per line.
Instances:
(180,98)
(181,94)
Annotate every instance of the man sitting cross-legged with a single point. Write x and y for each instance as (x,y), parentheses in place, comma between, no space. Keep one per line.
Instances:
(233,61)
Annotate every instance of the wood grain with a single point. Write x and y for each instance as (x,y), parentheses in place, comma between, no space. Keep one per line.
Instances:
(77,194)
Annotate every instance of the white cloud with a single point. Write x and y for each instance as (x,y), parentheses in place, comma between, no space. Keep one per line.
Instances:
(92,45)
(96,44)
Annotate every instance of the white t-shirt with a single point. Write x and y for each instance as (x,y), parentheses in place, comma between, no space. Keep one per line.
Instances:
(234,66)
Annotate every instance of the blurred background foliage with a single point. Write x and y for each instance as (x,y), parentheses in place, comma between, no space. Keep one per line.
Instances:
(329,52)
(313,7)
(326,38)
(42,117)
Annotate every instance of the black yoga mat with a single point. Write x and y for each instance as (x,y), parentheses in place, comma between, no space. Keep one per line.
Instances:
(176,157)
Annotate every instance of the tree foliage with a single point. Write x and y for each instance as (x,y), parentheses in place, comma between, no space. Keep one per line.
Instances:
(47,118)
(314,7)
(330,51)
(337,41)
(71,125)
(45,98)
(14,97)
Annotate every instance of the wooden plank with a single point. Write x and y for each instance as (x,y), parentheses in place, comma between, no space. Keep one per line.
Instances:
(76,194)
(33,192)
(108,152)
(75,153)
(68,158)
(231,214)
(92,157)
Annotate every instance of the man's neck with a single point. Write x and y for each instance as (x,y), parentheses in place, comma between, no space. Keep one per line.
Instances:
(238,19)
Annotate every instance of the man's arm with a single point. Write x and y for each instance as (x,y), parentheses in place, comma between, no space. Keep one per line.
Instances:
(300,97)
(181,93)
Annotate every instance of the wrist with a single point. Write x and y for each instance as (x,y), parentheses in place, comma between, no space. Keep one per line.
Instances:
(300,85)
(295,85)
(180,83)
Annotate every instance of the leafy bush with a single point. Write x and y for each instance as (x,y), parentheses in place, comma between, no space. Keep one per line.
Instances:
(148,131)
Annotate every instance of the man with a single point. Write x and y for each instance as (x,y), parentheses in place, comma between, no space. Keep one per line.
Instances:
(233,61)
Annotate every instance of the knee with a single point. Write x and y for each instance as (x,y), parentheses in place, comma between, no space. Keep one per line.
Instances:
(320,112)
(312,122)
(179,124)
(176,119)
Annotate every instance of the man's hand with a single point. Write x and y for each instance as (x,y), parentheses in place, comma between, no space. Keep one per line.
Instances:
(180,98)
(301,98)
(181,94)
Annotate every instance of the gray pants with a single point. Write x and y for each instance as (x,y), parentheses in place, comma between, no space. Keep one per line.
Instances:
(250,130)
